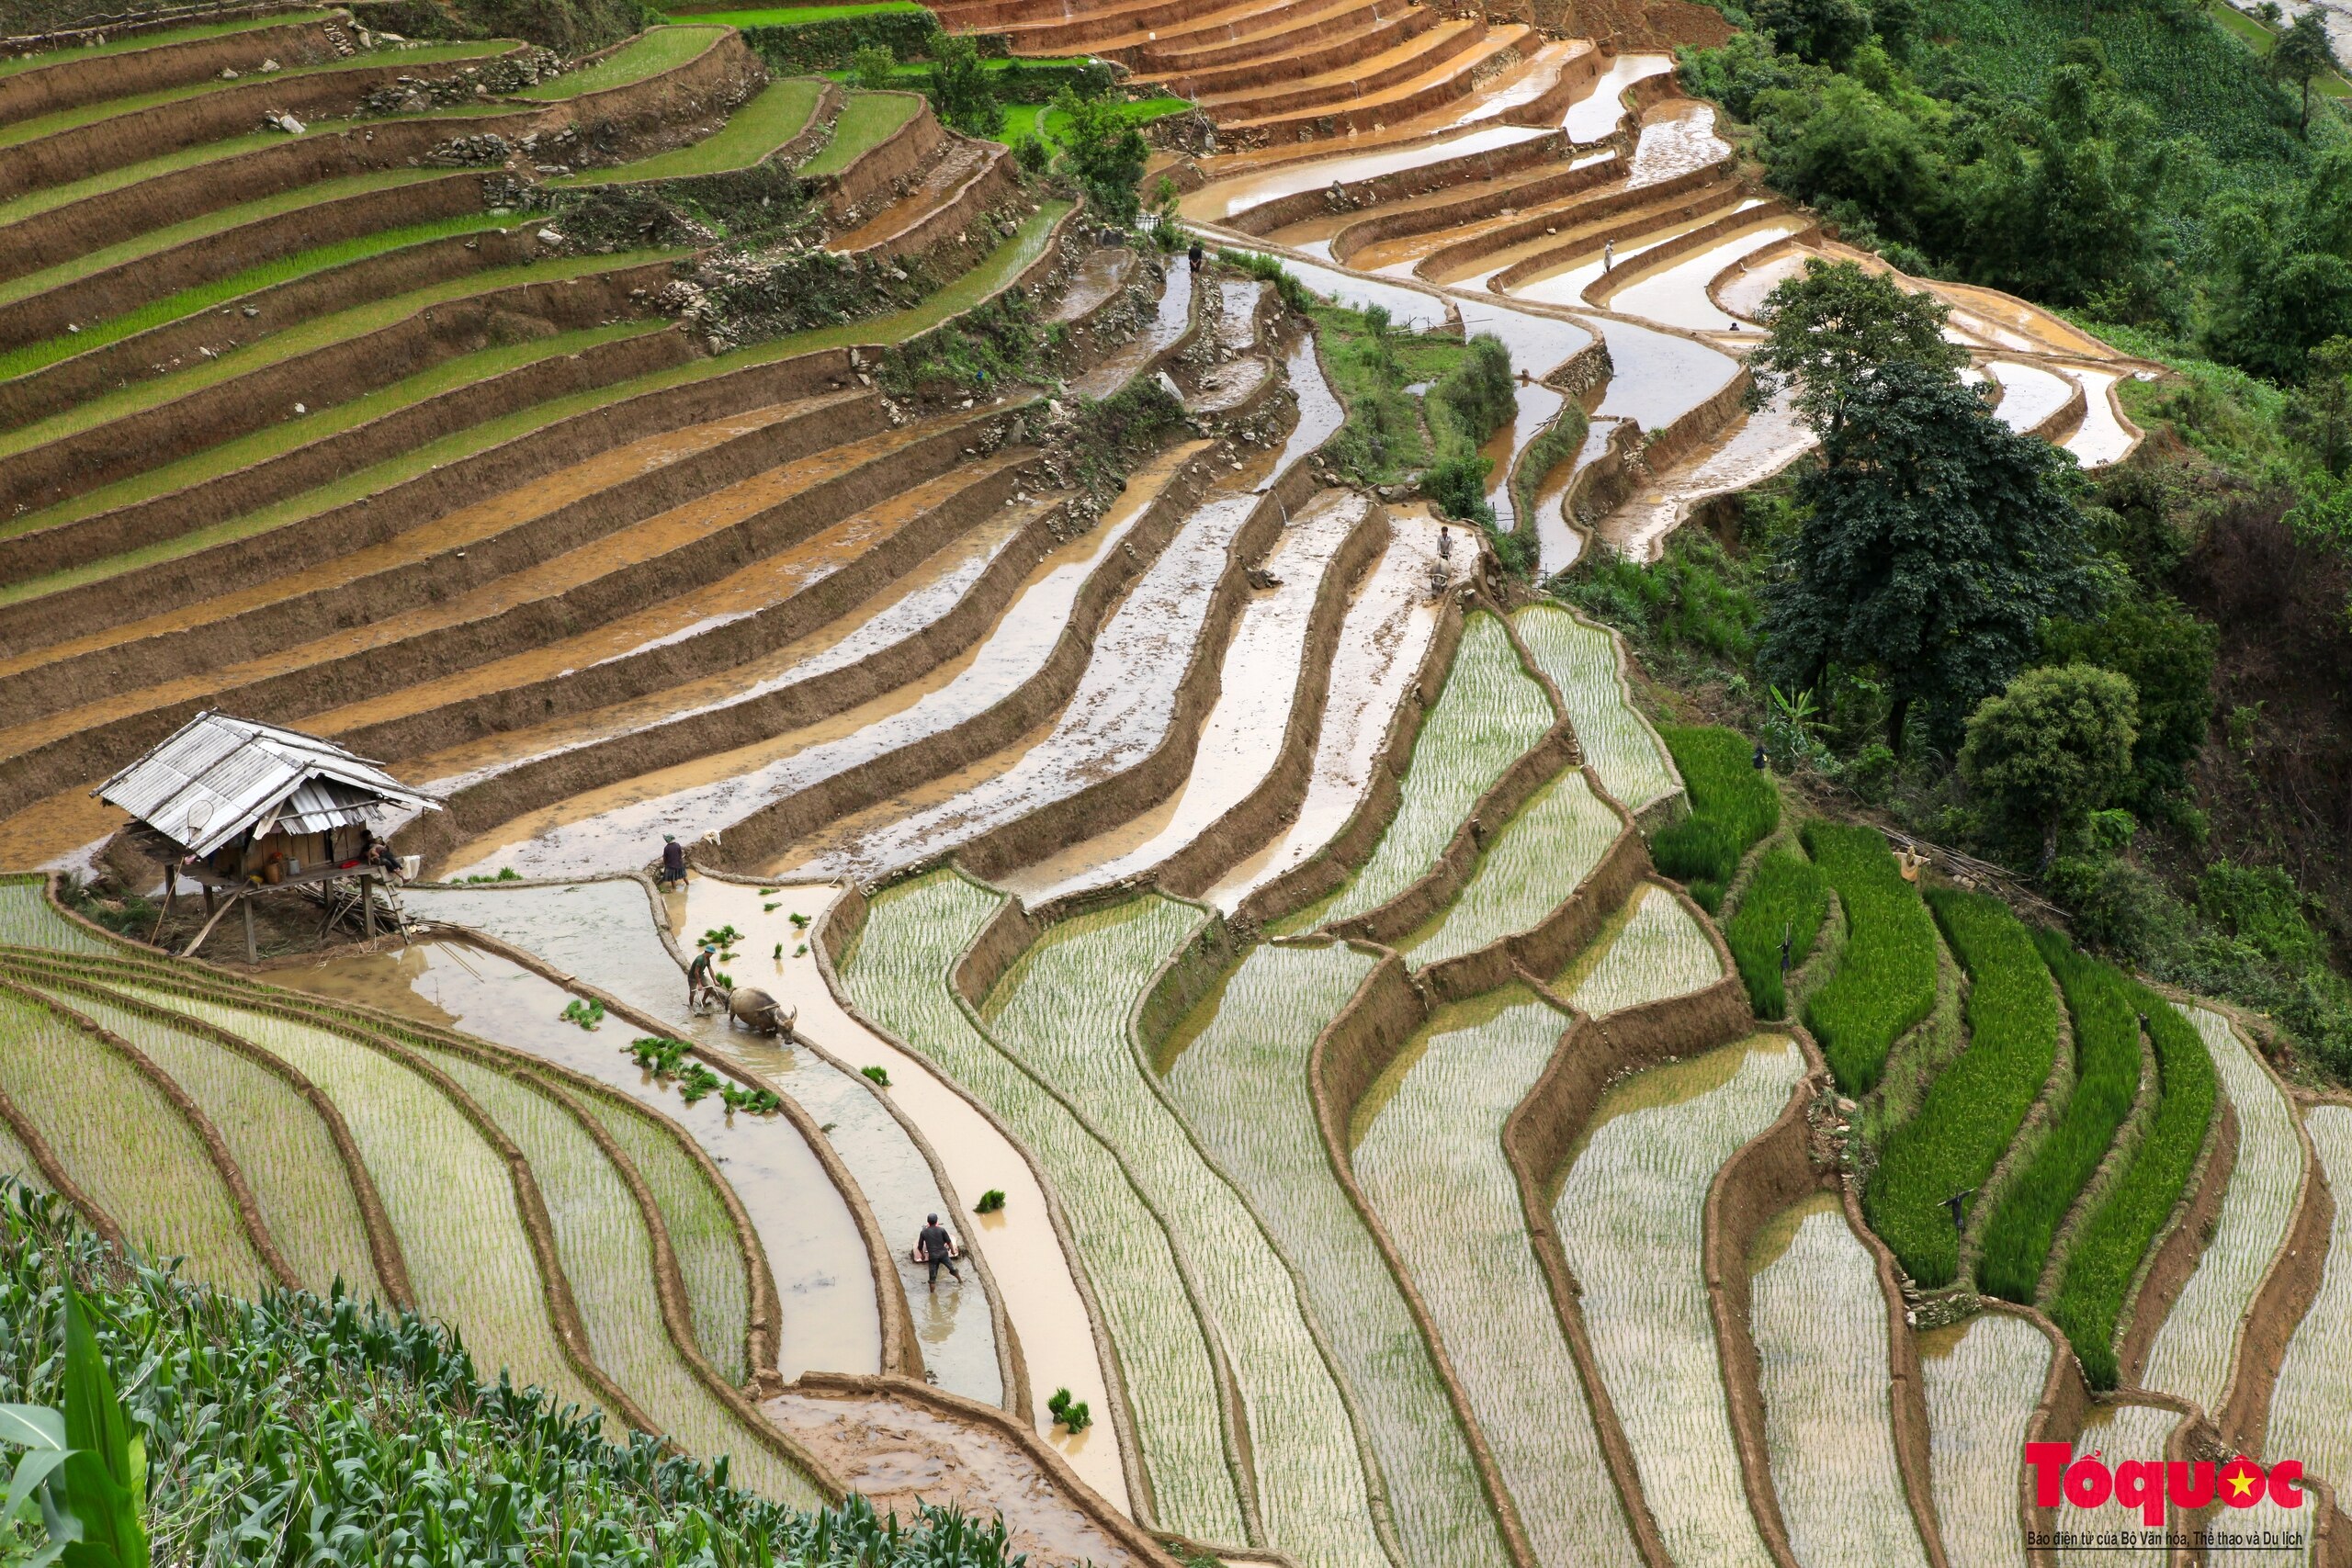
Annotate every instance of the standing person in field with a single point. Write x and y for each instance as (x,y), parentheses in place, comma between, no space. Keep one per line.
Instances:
(674,862)
(937,1247)
(698,984)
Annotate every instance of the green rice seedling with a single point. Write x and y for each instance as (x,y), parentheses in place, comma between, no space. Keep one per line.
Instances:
(160,38)
(1061,1013)
(2314,1387)
(800,950)
(1819,1320)
(751,1101)
(799,920)
(1982,1379)
(779,951)
(606,1253)
(1630,1214)
(16,1162)
(28,920)
(1429,1153)
(1582,660)
(658,1054)
(1488,714)
(187,302)
(1732,805)
(899,976)
(586,1014)
(126,1145)
(1885,980)
(447,1190)
(1526,871)
(750,135)
(1780,913)
(702,1230)
(277,1139)
(880,1074)
(2105,1255)
(2019,1237)
(721,937)
(2192,1354)
(1976,1106)
(1652,948)
(656,50)
(865,118)
(697,1083)
(2119,1433)
(991,1202)
(505,873)
(1237,1069)
(1075,1417)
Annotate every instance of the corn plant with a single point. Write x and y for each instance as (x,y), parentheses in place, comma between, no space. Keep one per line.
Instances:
(1061,1012)
(1885,980)
(1652,949)
(1982,1379)
(1630,1214)
(1526,871)
(2019,1237)
(2106,1255)
(368,1438)
(1429,1153)
(1975,1107)
(1581,659)
(1819,1320)
(1732,805)
(2192,1354)
(1773,930)
(1239,1074)
(1488,714)
(86,1470)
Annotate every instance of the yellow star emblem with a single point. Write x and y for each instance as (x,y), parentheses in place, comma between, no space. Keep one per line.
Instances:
(2241,1484)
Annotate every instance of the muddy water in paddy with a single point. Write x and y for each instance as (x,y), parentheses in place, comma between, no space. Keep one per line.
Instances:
(1305,235)
(1243,734)
(1174,315)
(1596,114)
(1572,281)
(1659,377)
(2029,393)
(609,827)
(1676,296)
(1381,642)
(1677,138)
(1320,413)
(825,1284)
(1229,196)
(2101,438)
(1560,539)
(1119,714)
(605,930)
(1757,447)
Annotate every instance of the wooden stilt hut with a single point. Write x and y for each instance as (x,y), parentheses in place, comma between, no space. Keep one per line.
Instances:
(246,810)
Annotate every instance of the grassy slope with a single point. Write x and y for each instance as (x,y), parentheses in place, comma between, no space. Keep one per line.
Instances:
(655,50)
(864,120)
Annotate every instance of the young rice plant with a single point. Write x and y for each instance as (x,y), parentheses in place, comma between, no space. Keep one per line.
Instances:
(1885,980)
(1732,805)
(1785,902)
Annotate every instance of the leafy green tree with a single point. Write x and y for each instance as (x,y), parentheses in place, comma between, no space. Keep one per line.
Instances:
(2318,415)
(1821,32)
(2052,747)
(1935,541)
(1103,151)
(2167,655)
(2301,55)
(871,66)
(1832,329)
(961,89)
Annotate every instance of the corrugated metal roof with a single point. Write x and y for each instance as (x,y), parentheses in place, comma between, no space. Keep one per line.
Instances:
(217,777)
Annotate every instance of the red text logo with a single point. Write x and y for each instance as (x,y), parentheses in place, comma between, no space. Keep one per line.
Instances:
(2148,1484)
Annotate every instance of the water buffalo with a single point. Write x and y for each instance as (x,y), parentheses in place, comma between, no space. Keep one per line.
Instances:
(756,1009)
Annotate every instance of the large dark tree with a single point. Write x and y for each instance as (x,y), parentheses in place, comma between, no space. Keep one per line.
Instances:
(1933,542)
(1832,328)
(2301,55)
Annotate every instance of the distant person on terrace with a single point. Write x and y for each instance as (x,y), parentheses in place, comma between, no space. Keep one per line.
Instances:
(937,1247)
(698,984)
(674,862)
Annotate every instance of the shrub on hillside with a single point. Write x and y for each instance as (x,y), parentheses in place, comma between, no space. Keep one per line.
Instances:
(1786,900)
(1885,980)
(835,44)
(1973,1108)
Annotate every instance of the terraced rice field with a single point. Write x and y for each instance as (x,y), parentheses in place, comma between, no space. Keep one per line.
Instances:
(1652,948)
(2315,1385)
(1425,1144)
(2120,1432)
(1982,1379)
(1819,1320)
(2194,1352)
(1236,1069)
(1629,1214)
(1061,1013)
(1583,661)
(899,976)
(1529,869)
(1488,712)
